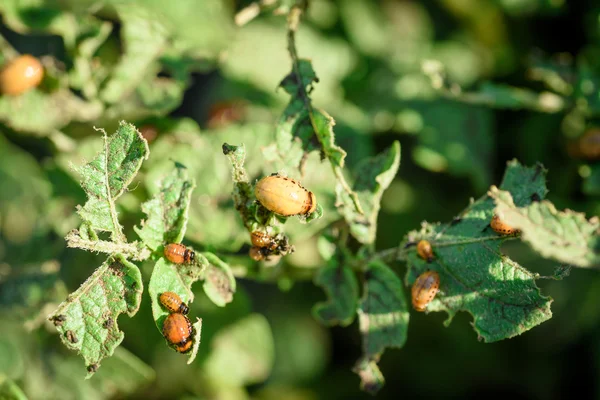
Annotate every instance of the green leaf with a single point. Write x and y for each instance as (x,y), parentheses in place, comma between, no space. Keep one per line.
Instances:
(341,286)
(176,278)
(474,275)
(219,282)
(144,39)
(242,353)
(168,210)
(303,123)
(10,391)
(87,320)
(106,177)
(382,313)
(591,183)
(563,235)
(371,378)
(456,138)
(42,114)
(373,176)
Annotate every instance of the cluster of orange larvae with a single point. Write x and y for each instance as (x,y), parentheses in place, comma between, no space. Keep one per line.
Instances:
(177,328)
(427,285)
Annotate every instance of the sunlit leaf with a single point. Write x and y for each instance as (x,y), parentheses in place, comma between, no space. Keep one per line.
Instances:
(106,177)
(87,320)
(475,276)
(373,176)
(243,353)
(167,211)
(566,236)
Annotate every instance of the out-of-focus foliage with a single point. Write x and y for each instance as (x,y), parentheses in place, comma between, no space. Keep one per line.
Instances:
(321,94)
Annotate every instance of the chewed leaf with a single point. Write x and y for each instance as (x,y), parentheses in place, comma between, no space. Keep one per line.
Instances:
(219,282)
(106,177)
(342,289)
(176,278)
(563,235)
(371,378)
(303,128)
(167,211)
(373,176)
(474,275)
(87,320)
(382,313)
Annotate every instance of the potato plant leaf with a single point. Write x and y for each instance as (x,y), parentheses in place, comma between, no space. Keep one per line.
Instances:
(219,282)
(563,235)
(341,286)
(373,176)
(242,353)
(474,275)
(382,312)
(168,210)
(106,177)
(87,320)
(176,278)
(371,378)
(303,123)
(144,39)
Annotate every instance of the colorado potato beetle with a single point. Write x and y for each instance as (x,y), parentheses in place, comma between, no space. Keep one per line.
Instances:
(424,289)
(262,239)
(21,74)
(177,329)
(172,302)
(284,196)
(256,253)
(424,250)
(500,227)
(179,254)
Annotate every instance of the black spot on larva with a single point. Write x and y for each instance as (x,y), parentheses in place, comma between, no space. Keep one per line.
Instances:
(92,367)
(58,319)
(70,335)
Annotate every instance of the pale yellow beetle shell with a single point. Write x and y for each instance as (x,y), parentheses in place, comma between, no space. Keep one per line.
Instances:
(284,196)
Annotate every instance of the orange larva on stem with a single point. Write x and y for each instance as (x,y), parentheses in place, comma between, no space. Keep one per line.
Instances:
(500,227)
(284,196)
(424,289)
(424,250)
(179,254)
(172,302)
(177,329)
(21,74)
(262,239)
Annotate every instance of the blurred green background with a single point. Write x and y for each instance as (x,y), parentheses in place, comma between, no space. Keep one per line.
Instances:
(465,85)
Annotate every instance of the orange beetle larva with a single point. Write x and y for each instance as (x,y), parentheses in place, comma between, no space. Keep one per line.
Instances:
(179,254)
(21,74)
(177,329)
(424,289)
(500,227)
(172,302)
(424,250)
(262,239)
(284,196)
(256,253)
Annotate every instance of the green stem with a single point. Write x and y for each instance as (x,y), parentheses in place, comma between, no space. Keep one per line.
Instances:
(129,250)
